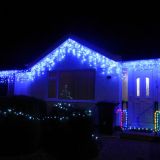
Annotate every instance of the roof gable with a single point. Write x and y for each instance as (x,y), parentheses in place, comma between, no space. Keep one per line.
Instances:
(84,54)
(70,46)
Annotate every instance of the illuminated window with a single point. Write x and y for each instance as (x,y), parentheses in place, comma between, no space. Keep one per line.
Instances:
(138,86)
(147,86)
(76,84)
(72,84)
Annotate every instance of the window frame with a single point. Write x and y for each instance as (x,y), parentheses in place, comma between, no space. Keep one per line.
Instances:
(58,83)
(138,87)
(147,78)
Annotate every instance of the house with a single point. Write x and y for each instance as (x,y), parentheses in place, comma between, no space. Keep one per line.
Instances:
(75,73)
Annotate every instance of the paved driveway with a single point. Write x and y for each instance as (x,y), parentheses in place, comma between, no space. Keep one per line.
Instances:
(114,148)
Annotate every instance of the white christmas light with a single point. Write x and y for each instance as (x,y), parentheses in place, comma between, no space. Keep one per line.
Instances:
(84,54)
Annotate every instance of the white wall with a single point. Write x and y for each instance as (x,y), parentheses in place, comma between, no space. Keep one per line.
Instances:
(105,89)
(21,88)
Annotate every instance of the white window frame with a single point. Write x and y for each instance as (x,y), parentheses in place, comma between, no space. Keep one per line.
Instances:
(138,85)
(147,86)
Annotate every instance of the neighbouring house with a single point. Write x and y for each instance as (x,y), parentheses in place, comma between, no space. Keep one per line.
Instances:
(77,74)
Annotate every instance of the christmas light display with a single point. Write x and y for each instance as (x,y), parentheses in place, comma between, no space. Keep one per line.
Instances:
(156,121)
(87,56)
(13,112)
(125,117)
(133,128)
(122,114)
(84,54)
(124,122)
(62,106)
(94,136)
(30,117)
(142,64)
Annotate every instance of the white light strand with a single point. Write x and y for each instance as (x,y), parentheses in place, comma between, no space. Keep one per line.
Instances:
(133,128)
(84,54)
(142,64)
(39,118)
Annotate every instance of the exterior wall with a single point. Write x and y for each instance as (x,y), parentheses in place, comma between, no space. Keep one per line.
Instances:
(140,109)
(105,89)
(21,88)
(108,89)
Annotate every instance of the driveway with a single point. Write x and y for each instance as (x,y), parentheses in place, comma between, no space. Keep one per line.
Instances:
(114,148)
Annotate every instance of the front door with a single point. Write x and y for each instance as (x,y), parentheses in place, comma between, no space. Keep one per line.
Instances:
(141,99)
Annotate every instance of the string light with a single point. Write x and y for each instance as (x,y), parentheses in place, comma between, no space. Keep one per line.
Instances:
(134,128)
(84,54)
(39,117)
(62,106)
(119,111)
(142,64)
(66,106)
(122,113)
(125,114)
(88,112)
(69,47)
(95,137)
(156,121)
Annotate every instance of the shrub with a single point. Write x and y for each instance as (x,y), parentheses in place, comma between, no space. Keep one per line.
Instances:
(20,135)
(70,139)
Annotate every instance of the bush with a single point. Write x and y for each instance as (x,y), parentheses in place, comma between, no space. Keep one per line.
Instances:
(24,104)
(71,139)
(18,134)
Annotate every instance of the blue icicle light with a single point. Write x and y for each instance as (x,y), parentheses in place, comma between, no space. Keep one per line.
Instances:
(84,54)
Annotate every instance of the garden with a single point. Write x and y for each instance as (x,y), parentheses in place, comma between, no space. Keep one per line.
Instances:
(64,132)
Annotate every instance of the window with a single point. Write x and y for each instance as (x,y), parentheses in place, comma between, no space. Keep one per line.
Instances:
(3,87)
(147,86)
(138,86)
(52,85)
(73,84)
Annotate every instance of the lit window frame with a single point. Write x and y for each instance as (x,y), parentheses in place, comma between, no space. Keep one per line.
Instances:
(147,86)
(138,93)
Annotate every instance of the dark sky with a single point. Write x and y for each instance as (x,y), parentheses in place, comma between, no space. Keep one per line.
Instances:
(26,32)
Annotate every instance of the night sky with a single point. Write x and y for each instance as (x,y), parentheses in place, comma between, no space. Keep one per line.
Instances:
(26,33)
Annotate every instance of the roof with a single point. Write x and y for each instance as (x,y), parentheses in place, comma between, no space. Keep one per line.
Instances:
(69,46)
(106,62)
(80,41)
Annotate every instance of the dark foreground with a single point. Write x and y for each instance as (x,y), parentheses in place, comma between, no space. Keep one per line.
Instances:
(112,148)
